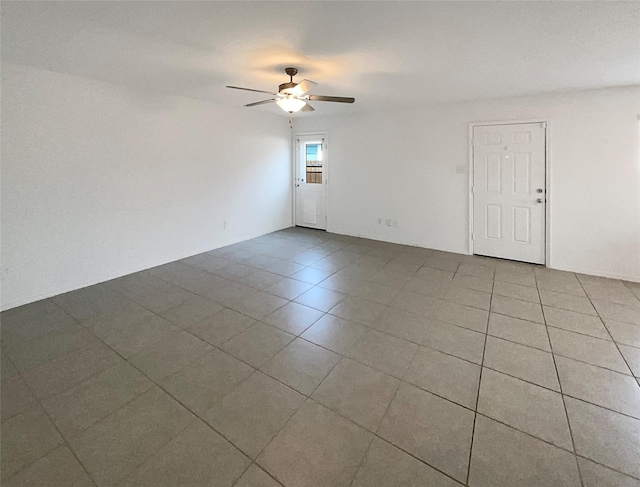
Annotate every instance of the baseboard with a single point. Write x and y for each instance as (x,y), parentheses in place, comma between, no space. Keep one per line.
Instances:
(55,292)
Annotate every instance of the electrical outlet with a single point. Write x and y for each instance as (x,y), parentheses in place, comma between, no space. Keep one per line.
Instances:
(395,223)
(225,224)
(388,222)
(379,220)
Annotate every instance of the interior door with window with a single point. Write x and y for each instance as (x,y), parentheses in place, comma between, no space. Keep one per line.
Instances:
(509,191)
(311,181)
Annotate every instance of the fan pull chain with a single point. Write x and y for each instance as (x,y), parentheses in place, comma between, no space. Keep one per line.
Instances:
(290,123)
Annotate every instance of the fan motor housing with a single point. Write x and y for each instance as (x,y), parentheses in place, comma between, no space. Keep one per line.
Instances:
(285,86)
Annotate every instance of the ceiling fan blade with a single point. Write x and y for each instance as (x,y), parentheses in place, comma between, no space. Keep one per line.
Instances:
(307,108)
(338,99)
(251,89)
(263,102)
(301,88)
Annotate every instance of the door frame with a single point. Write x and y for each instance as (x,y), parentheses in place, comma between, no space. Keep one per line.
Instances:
(326,169)
(547,175)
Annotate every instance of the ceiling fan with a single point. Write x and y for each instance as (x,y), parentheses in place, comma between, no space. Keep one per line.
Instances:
(292,97)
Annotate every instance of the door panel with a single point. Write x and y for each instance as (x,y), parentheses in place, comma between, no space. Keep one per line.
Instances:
(311,182)
(509,193)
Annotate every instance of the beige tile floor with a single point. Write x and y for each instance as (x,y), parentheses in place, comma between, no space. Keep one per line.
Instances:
(303,358)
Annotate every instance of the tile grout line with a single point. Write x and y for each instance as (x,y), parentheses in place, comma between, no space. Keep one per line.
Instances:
(609,332)
(564,404)
(475,412)
(62,436)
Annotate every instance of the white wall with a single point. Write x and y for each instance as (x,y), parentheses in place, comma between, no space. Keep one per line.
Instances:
(99,181)
(402,166)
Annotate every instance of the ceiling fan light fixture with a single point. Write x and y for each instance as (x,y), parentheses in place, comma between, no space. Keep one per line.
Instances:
(290,103)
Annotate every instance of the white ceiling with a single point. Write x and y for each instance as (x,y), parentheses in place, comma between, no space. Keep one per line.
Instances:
(385,54)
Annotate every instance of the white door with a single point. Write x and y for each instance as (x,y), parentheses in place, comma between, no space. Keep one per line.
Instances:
(509,192)
(311,181)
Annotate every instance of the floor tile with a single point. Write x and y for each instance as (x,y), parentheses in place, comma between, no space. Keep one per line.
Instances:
(261,279)
(121,442)
(476,270)
(376,292)
(618,294)
(253,413)
(320,298)
(357,392)
(90,301)
(257,344)
(197,456)
(288,288)
(26,438)
(505,456)
(604,436)
(446,376)
(524,406)
(222,326)
(76,409)
(516,291)
(132,339)
(48,347)
(311,275)
(520,331)
(357,310)
(386,465)
(632,356)
(472,282)
(587,349)
(444,264)
(342,284)
(294,318)
(7,369)
(465,316)
(624,333)
(259,305)
(169,356)
(599,386)
(402,268)
(401,324)
(206,380)
(594,475)
(468,297)
(69,370)
(231,293)
(433,288)
(433,273)
(416,303)
(567,301)
(16,398)
(454,340)
(517,308)
(60,468)
(565,285)
(334,333)
(521,276)
(617,312)
(256,477)
(383,352)
(301,365)
(576,322)
(522,362)
(435,430)
(191,311)
(316,448)
(33,320)
(390,278)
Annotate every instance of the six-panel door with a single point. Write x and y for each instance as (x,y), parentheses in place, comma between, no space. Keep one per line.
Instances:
(509,192)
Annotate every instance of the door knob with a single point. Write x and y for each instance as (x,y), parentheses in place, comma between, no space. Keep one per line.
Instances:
(539,190)
(539,200)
